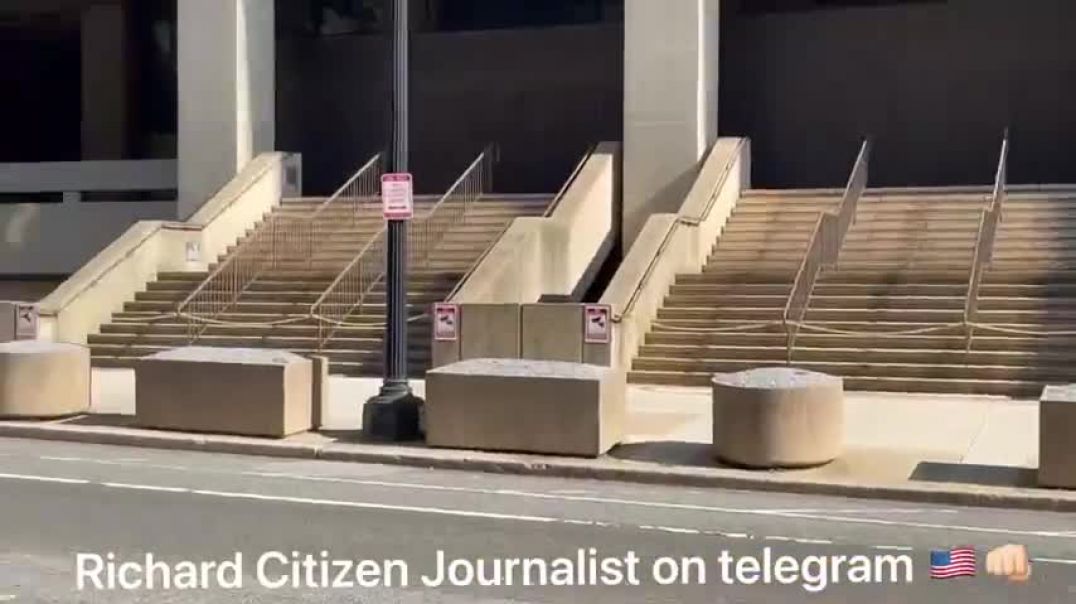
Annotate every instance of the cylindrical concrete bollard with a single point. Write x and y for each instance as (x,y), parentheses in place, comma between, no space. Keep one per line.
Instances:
(778,418)
(43,379)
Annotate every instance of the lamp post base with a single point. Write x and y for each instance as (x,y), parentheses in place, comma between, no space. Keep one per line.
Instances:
(393,415)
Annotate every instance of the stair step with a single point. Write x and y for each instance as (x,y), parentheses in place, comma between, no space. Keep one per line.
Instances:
(416,369)
(416,329)
(1063,374)
(414,353)
(653,355)
(1014,388)
(264,310)
(956,340)
(302,297)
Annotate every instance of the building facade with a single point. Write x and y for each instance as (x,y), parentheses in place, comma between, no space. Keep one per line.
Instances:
(177,95)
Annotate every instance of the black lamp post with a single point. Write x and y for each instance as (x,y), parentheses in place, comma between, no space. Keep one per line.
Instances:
(394,413)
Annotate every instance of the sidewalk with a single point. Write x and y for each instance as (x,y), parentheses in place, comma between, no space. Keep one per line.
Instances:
(954,449)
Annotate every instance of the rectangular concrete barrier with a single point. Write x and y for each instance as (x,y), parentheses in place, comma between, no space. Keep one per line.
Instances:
(239,391)
(1057,448)
(526,406)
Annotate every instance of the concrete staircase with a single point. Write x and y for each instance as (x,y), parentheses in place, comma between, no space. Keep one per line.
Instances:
(889,316)
(288,291)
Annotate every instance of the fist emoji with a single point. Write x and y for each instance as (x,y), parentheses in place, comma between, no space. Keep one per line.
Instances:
(1011,562)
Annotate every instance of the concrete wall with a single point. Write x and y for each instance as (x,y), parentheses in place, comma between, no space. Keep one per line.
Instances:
(670,102)
(671,244)
(545,95)
(226,93)
(933,82)
(58,238)
(100,287)
(551,256)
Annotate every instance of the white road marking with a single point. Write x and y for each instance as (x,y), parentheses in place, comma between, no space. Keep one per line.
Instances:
(733,535)
(678,531)
(4,598)
(813,541)
(925,525)
(145,487)
(1055,561)
(441,511)
(777,513)
(44,479)
(893,548)
(377,506)
(872,511)
(133,462)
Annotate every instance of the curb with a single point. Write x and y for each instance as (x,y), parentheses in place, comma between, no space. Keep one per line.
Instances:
(560,467)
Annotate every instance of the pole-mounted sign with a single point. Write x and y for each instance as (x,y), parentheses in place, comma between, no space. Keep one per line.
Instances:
(397,196)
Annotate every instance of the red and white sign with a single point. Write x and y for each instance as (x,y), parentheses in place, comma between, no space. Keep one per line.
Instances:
(397,196)
(25,322)
(597,324)
(446,322)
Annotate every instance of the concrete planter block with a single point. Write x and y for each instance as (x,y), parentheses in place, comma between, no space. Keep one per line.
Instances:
(238,391)
(1057,445)
(778,417)
(43,379)
(527,406)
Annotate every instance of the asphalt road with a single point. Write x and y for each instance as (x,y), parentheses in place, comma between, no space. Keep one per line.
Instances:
(60,500)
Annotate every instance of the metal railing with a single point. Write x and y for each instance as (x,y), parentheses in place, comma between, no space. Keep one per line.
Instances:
(500,235)
(282,237)
(361,194)
(825,247)
(349,291)
(985,242)
(427,230)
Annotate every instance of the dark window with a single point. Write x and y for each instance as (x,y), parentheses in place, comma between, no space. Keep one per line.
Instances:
(781,6)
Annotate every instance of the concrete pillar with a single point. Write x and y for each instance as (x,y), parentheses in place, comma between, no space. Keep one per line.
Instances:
(227,92)
(104,81)
(670,102)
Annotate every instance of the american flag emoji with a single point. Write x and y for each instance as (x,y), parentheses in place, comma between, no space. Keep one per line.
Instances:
(952,563)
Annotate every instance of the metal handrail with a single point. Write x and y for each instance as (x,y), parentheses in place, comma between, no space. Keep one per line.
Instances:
(825,246)
(640,285)
(278,238)
(985,241)
(348,292)
(361,188)
(552,207)
(425,232)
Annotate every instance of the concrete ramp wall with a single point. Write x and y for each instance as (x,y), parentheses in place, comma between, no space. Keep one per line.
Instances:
(670,244)
(556,255)
(88,298)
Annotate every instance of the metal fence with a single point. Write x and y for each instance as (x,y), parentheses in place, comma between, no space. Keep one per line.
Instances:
(281,238)
(825,246)
(349,292)
(985,241)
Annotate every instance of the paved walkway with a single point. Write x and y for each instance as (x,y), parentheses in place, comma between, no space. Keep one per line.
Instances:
(891,439)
